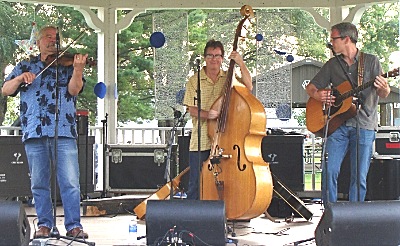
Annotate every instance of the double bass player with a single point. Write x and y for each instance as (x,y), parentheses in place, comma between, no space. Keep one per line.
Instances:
(212,81)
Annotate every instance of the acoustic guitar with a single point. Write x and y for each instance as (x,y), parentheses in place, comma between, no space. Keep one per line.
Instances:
(161,194)
(291,199)
(342,110)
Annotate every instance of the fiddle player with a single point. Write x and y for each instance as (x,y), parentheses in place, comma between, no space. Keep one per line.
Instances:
(212,81)
(344,38)
(38,123)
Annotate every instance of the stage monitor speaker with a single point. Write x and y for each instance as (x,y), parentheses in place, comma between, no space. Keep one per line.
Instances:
(204,219)
(14,224)
(374,223)
(284,153)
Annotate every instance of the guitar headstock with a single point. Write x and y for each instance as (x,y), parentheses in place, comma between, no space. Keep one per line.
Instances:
(393,73)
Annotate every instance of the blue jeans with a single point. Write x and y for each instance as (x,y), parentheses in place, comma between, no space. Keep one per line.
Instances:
(40,152)
(337,145)
(194,172)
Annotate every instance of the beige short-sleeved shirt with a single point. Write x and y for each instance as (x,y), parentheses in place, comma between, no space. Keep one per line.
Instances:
(210,92)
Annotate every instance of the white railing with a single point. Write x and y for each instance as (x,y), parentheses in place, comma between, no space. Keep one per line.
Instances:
(162,136)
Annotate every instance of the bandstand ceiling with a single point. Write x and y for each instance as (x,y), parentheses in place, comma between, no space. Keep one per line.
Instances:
(191,4)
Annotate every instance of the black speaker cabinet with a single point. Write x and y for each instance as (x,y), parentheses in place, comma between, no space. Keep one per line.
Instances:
(14,169)
(86,164)
(183,154)
(15,229)
(205,219)
(285,156)
(383,182)
(343,181)
(374,223)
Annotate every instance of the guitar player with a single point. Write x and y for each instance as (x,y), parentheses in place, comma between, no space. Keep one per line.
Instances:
(349,66)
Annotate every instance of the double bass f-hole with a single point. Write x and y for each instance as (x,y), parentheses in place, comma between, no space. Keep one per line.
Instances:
(236,147)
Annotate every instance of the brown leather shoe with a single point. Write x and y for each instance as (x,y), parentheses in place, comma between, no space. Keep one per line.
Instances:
(77,233)
(42,232)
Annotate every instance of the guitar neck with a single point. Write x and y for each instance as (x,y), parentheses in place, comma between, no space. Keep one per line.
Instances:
(360,88)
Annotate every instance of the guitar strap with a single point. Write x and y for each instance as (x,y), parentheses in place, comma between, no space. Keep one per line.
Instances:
(361,68)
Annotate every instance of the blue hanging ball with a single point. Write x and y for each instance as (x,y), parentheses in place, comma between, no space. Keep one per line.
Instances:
(289,58)
(100,90)
(157,39)
(259,37)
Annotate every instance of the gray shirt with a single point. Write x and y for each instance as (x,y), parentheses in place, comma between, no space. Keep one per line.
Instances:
(332,73)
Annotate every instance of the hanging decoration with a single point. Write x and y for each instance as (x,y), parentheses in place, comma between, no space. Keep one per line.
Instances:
(29,45)
(289,57)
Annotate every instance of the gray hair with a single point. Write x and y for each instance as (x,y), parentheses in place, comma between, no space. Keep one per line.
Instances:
(43,29)
(347,29)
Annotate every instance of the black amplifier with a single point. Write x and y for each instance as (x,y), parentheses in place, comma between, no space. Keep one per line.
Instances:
(387,142)
(14,170)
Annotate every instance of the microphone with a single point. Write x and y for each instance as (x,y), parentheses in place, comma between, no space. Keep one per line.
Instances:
(330,46)
(198,60)
(177,113)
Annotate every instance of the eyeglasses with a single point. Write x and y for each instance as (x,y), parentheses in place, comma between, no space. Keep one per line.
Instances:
(334,38)
(211,56)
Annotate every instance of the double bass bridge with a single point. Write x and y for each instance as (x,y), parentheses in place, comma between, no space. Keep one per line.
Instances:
(216,158)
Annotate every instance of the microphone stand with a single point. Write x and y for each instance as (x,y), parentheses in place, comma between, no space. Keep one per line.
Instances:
(178,117)
(324,154)
(358,104)
(198,123)
(54,232)
(104,129)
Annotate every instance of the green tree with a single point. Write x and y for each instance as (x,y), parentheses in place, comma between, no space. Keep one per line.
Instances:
(379,29)
(311,37)
(135,71)
(11,29)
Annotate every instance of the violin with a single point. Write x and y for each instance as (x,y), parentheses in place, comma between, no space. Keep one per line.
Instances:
(63,58)
(66,59)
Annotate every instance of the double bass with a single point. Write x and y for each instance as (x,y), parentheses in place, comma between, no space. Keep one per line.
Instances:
(235,171)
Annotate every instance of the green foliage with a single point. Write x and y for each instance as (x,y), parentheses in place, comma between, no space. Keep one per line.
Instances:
(11,29)
(379,31)
(300,116)
(311,38)
(135,71)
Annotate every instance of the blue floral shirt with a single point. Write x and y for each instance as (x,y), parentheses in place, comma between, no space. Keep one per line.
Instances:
(38,101)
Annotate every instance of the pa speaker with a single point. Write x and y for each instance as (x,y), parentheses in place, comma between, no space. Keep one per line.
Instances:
(195,222)
(15,229)
(374,223)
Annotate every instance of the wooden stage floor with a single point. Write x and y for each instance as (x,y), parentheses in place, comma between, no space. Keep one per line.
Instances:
(112,229)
